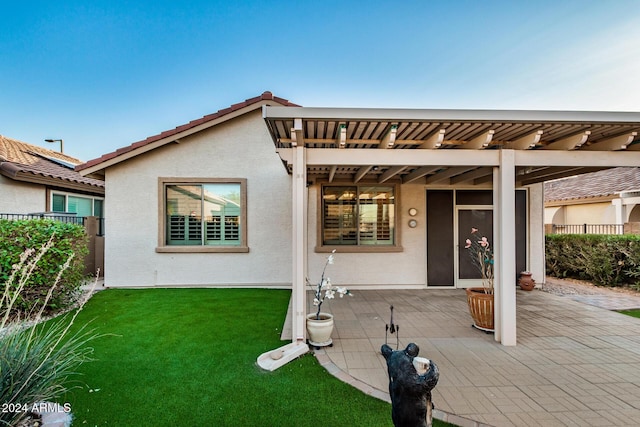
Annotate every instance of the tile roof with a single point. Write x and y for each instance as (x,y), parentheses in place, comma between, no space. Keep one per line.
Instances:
(266,96)
(596,184)
(21,161)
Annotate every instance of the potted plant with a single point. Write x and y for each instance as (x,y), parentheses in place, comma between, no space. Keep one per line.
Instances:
(320,324)
(480,299)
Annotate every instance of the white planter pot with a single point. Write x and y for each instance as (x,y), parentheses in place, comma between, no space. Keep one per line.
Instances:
(319,330)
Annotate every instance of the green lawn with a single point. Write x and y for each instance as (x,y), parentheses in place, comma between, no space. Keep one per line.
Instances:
(178,357)
(634,313)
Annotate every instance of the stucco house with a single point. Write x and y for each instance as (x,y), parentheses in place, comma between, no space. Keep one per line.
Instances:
(257,195)
(606,202)
(37,180)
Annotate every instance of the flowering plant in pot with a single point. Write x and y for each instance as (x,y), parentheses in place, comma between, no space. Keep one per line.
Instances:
(480,299)
(320,324)
(482,257)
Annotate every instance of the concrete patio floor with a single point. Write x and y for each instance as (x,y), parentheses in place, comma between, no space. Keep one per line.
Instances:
(574,365)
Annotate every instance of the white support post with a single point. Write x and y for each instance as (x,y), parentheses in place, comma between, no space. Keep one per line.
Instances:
(619,210)
(505,256)
(299,244)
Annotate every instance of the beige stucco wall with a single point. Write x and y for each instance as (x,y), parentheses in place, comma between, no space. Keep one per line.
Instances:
(21,197)
(593,213)
(588,213)
(240,148)
(408,269)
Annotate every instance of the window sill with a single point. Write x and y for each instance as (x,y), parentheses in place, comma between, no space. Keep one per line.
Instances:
(358,249)
(202,249)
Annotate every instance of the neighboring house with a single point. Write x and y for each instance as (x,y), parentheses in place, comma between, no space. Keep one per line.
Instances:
(258,194)
(36,180)
(604,200)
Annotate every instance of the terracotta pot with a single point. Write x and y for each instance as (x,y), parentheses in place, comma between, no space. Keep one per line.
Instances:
(526,282)
(480,308)
(319,330)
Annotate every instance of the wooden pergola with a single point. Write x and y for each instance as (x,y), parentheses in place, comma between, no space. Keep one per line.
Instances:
(509,148)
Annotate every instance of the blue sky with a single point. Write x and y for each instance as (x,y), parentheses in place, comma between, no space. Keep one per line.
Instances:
(105,74)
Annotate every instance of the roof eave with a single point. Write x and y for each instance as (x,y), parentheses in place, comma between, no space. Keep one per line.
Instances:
(18,175)
(393,114)
(580,200)
(97,166)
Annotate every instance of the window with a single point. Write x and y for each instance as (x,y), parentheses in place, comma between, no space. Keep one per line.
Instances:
(358,215)
(80,205)
(208,214)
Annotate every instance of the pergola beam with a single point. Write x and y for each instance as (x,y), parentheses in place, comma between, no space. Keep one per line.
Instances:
(445,175)
(526,142)
(434,141)
(297,133)
(471,175)
(545,174)
(332,172)
(567,172)
(419,173)
(390,137)
(480,141)
(342,135)
(569,143)
(616,143)
(361,173)
(359,157)
(390,173)
(577,158)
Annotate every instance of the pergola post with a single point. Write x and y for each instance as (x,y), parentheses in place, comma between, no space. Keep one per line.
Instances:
(299,244)
(505,250)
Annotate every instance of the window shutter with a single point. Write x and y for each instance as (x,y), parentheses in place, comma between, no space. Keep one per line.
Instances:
(58,203)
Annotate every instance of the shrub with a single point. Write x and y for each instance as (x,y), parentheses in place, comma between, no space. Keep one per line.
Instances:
(18,236)
(36,362)
(608,260)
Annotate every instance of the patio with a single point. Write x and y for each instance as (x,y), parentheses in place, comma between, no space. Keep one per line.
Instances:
(575,364)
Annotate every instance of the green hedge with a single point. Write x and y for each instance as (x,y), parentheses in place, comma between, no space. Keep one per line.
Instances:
(17,236)
(607,260)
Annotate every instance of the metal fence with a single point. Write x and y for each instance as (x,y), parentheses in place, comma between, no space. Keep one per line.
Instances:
(56,216)
(586,229)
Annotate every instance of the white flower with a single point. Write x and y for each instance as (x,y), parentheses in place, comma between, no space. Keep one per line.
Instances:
(326,284)
(324,289)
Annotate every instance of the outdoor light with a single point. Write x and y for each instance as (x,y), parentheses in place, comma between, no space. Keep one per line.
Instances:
(57,140)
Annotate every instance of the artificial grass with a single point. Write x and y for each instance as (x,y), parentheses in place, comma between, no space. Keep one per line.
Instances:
(633,313)
(174,357)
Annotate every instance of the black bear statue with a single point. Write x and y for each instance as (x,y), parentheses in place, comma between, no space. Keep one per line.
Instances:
(410,388)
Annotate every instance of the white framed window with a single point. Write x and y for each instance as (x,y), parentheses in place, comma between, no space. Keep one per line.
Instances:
(79,204)
(203,215)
